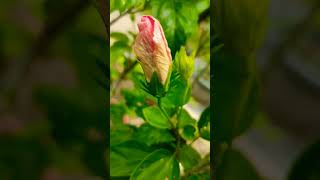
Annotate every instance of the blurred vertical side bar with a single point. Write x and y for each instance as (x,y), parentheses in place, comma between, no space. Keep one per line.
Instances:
(103,7)
(211,86)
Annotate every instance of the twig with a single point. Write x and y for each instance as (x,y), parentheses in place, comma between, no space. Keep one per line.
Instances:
(131,66)
(164,112)
(124,73)
(203,165)
(190,144)
(129,11)
(176,132)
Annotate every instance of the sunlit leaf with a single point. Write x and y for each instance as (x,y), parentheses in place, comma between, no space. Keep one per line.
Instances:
(125,5)
(150,135)
(176,23)
(159,165)
(155,117)
(202,176)
(125,157)
(117,111)
(121,134)
(118,36)
(179,91)
(188,157)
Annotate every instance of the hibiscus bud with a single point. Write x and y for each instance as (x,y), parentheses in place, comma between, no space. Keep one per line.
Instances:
(152,49)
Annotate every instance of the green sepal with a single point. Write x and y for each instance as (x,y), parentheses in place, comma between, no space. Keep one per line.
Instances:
(155,87)
(180,89)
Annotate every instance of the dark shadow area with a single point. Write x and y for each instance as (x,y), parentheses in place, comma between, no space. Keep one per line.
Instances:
(53,90)
(267,109)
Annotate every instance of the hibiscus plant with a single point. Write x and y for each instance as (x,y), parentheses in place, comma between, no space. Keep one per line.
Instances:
(161,147)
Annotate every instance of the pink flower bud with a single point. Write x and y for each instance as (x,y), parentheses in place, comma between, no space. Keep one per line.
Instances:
(152,49)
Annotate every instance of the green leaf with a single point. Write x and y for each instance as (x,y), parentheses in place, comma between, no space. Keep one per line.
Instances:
(156,118)
(136,100)
(118,36)
(121,134)
(235,95)
(125,157)
(168,106)
(179,90)
(125,5)
(184,64)
(117,57)
(155,87)
(201,5)
(236,166)
(203,176)
(188,157)
(188,128)
(178,19)
(118,49)
(150,135)
(204,124)
(159,165)
(307,165)
(117,111)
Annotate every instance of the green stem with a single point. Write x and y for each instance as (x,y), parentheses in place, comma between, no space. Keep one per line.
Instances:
(125,72)
(203,165)
(174,129)
(194,140)
(179,110)
(163,111)
(129,11)
(178,142)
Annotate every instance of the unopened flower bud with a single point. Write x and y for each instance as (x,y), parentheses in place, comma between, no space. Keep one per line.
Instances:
(184,63)
(152,49)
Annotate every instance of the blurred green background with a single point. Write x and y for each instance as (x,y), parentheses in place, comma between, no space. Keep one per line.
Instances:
(280,140)
(53,102)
